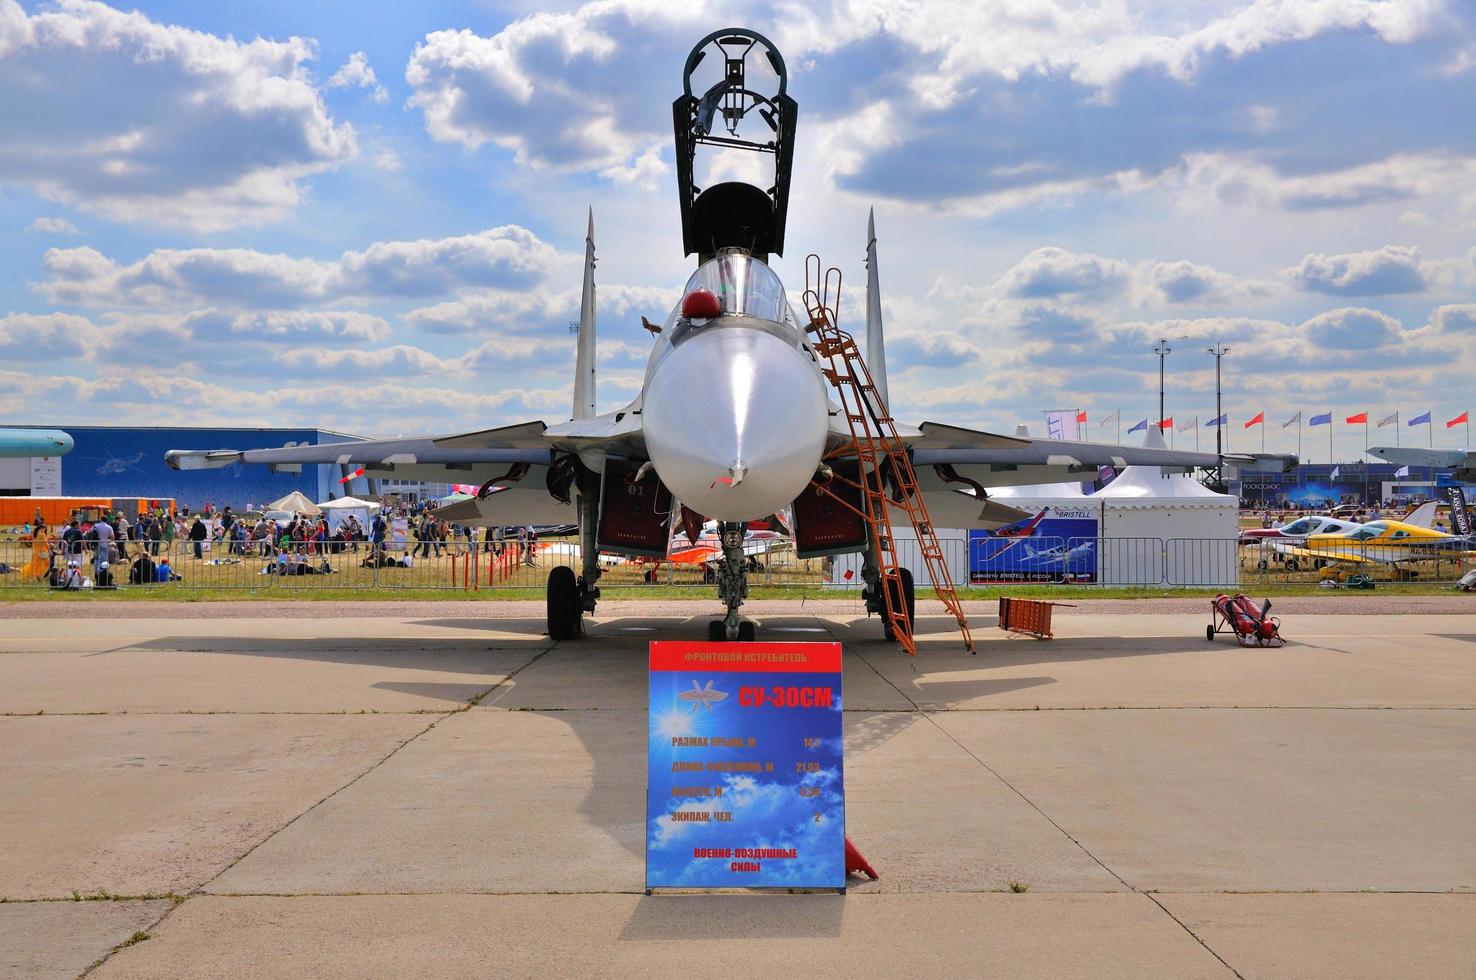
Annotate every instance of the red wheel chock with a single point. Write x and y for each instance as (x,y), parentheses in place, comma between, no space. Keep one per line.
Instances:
(856,864)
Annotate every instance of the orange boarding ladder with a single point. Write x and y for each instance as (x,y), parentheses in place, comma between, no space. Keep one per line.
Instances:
(881,455)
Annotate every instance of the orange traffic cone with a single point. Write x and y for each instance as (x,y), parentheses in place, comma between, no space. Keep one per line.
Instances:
(856,864)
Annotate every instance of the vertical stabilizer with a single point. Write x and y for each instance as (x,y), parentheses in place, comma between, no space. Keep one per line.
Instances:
(584,357)
(876,354)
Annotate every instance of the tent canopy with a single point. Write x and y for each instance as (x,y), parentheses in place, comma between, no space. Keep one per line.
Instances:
(295,502)
(348,503)
(1039,491)
(1149,485)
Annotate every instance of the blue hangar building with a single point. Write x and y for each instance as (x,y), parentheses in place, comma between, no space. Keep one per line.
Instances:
(128,461)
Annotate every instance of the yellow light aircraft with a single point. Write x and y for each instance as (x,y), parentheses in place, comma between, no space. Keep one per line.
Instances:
(1383,542)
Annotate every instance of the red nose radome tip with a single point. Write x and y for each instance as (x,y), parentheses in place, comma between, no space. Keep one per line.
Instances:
(735,422)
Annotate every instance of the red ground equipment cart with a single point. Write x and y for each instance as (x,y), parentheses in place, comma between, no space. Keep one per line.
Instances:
(1251,623)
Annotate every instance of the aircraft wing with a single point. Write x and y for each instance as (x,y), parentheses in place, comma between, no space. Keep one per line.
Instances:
(1344,556)
(518,454)
(385,457)
(526,501)
(952,444)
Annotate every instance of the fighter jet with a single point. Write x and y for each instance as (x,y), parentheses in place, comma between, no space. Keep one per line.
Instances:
(735,420)
(702,697)
(20,443)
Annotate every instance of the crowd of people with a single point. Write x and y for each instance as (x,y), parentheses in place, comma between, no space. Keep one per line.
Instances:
(91,553)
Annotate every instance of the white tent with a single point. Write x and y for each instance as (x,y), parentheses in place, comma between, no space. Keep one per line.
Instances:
(295,502)
(341,509)
(1198,527)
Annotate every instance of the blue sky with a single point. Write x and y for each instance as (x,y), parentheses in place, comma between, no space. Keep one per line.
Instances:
(371,217)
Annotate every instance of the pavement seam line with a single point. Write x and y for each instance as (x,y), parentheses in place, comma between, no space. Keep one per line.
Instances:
(1083,848)
(928,715)
(200,889)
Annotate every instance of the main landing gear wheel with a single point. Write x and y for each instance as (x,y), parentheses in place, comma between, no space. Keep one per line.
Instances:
(903,597)
(746,632)
(564,613)
(1209,633)
(715,631)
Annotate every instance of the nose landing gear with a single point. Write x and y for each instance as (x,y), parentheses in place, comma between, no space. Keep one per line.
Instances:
(732,583)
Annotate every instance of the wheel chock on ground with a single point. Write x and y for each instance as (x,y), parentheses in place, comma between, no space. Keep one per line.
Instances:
(856,864)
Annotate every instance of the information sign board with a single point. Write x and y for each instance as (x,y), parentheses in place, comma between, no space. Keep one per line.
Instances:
(746,781)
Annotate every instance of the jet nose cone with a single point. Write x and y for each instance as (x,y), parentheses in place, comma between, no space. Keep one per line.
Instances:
(63,442)
(735,421)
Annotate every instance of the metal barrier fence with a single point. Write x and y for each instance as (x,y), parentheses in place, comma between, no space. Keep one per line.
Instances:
(478,566)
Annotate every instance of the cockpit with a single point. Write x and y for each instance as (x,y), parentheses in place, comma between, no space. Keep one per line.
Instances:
(743,285)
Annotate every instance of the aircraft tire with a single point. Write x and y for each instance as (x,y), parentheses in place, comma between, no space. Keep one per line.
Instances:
(1292,565)
(1209,633)
(563,604)
(716,633)
(905,596)
(746,632)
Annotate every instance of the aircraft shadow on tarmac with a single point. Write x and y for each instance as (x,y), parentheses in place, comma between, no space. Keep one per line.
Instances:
(455,654)
(734,917)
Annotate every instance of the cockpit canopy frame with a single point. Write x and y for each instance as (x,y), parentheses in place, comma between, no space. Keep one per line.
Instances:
(734,214)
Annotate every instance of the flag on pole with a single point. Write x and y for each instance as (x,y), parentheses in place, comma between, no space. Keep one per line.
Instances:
(1360,419)
(1218,421)
(1260,419)
(1402,472)
(1293,420)
(1140,427)
(1168,423)
(1463,417)
(1081,418)
(1420,420)
(1334,474)
(1324,419)
(1193,423)
(1388,420)
(1107,420)
(356,473)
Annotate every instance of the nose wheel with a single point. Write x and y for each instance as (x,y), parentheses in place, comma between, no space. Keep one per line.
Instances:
(717,631)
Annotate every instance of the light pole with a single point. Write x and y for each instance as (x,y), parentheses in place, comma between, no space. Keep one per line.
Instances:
(1218,481)
(1162,350)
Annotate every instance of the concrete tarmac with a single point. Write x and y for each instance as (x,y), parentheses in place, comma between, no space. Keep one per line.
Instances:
(432,794)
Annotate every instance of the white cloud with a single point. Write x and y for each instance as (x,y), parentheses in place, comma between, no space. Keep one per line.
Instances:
(287,326)
(53,226)
(1055,273)
(1355,328)
(563,91)
(140,121)
(1209,180)
(1457,319)
(44,337)
(1095,44)
(356,73)
(387,161)
(508,256)
(1391,269)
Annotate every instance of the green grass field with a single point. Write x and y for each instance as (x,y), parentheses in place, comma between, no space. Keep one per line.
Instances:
(1064,593)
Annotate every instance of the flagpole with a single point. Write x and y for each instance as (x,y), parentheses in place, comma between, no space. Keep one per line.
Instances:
(1365,458)
(1299,435)
(1196,433)
(1430,428)
(1263,433)
(1119,427)
(1329,438)
(1396,427)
